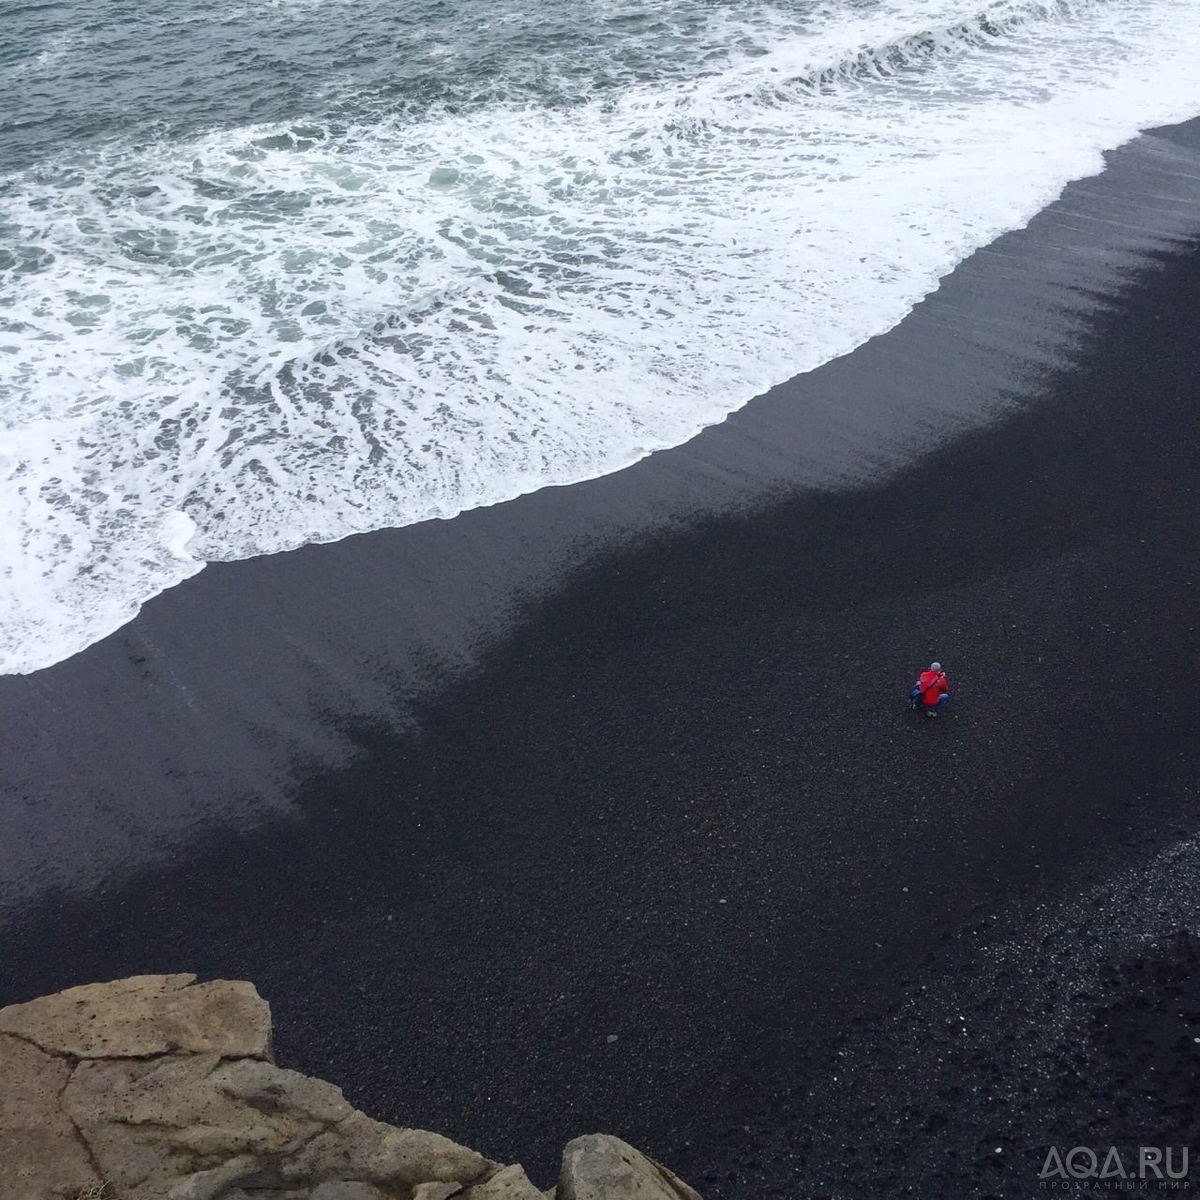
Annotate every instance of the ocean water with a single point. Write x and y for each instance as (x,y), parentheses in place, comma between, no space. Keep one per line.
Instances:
(278,271)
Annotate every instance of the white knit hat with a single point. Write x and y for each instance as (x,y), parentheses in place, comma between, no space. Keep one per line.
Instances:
(935,666)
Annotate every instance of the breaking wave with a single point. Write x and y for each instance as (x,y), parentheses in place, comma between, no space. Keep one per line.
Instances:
(222,343)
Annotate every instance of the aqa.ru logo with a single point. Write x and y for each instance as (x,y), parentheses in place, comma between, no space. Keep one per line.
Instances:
(1082,1162)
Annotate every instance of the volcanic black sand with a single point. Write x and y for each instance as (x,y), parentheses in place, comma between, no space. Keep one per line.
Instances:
(671,858)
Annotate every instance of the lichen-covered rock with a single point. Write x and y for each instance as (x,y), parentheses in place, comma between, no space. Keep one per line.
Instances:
(360,1148)
(41,1155)
(146,1015)
(348,1190)
(511,1183)
(206,1185)
(436,1191)
(152,1123)
(600,1167)
(159,1088)
(288,1194)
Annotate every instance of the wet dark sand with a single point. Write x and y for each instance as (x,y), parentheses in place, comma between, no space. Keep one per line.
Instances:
(681,802)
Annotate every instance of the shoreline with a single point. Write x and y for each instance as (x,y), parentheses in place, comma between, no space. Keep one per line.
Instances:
(221,687)
(668,800)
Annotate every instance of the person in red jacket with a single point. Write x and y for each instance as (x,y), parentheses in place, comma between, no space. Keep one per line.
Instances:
(931,692)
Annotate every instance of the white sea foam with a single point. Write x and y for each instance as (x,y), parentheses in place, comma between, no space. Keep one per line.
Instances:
(273,336)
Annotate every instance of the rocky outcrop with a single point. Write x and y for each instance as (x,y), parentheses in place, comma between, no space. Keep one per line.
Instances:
(160,1088)
(598,1167)
(40,1149)
(146,1015)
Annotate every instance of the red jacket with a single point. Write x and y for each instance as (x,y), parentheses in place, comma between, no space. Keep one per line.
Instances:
(933,685)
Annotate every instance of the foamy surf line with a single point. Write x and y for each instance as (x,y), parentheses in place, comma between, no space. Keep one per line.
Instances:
(204,714)
(577,779)
(268,337)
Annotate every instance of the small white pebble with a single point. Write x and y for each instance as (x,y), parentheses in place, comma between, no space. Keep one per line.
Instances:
(612,1037)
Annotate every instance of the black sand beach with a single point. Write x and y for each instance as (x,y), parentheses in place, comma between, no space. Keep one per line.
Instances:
(669,791)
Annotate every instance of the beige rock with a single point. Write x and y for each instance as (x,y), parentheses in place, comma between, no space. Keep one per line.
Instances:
(347,1191)
(146,1015)
(268,1088)
(282,1194)
(41,1154)
(511,1183)
(151,1124)
(599,1167)
(156,1088)
(436,1191)
(205,1185)
(360,1148)
(192,1121)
